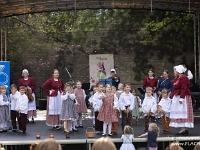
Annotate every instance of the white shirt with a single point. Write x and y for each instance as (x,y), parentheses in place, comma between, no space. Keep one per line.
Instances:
(22,103)
(13,99)
(116,102)
(166,105)
(97,101)
(126,100)
(2,103)
(189,74)
(149,104)
(65,96)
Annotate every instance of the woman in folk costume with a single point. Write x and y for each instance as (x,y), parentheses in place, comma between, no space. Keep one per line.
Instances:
(181,113)
(29,83)
(53,88)
(151,81)
(4,111)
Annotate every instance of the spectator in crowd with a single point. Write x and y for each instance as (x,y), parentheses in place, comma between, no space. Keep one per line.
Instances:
(187,72)
(103,144)
(48,144)
(115,78)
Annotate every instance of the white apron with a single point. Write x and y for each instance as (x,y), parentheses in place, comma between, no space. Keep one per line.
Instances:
(55,104)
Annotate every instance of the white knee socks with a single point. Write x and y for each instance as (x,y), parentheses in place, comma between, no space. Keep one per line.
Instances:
(109,127)
(104,127)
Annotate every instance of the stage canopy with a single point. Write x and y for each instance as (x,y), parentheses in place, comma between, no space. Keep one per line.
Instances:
(17,7)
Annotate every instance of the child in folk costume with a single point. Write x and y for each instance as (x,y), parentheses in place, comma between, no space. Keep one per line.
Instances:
(68,110)
(153,133)
(149,108)
(126,104)
(4,111)
(107,113)
(13,98)
(80,97)
(137,104)
(164,110)
(97,103)
(114,129)
(127,139)
(120,90)
(91,94)
(22,109)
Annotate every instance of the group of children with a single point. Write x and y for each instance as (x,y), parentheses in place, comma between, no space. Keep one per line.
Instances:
(19,108)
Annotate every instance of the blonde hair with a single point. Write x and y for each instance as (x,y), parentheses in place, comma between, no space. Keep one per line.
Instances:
(128,130)
(107,85)
(121,84)
(33,146)
(113,87)
(13,86)
(197,146)
(48,144)
(149,89)
(165,90)
(103,144)
(155,128)
(174,146)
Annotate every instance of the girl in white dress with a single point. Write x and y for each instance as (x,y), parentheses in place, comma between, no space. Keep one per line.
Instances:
(127,139)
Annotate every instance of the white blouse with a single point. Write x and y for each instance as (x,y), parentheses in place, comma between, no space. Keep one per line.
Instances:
(22,103)
(97,101)
(166,105)
(149,104)
(126,100)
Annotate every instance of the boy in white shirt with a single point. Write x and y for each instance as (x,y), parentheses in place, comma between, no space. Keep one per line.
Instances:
(126,104)
(97,103)
(149,108)
(164,110)
(14,114)
(22,109)
(120,90)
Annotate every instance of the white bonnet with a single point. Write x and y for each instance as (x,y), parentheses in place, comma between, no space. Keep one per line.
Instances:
(179,69)
(25,70)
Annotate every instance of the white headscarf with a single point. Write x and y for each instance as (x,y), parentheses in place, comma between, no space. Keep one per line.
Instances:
(25,70)
(179,69)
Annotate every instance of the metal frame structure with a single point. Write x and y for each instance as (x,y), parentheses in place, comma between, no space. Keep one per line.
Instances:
(21,7)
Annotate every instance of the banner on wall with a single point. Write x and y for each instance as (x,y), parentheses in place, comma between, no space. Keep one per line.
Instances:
(5,74)
(100,66)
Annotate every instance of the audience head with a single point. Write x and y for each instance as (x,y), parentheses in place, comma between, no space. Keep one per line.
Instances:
(33,146)
(103,143)
(48,144)
(197,146)
(153,127)
(128,130)
(134,92)
(99,87)
(174,146)
(113,89)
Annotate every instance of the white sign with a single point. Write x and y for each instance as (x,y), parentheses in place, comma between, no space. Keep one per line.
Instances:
(100,66)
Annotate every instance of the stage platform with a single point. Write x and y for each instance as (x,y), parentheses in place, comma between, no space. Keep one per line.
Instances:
(78,140)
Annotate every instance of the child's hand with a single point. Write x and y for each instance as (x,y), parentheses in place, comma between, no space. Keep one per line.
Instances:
(140,136)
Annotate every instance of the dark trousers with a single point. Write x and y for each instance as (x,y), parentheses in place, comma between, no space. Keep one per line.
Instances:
(22,121)
(126,119)
(147,120)
(14,115)
(98,124)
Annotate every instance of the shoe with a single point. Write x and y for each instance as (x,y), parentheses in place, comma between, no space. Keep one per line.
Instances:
(110,134)
(166,132)
(4,130)
(58,128)
(80,126)
(24,131)
(114,133)
(75,130)
(14,130)
(77,126)
(67,135)
(54,128)
(32,120)
(1,131)
(93,125)
(20,131)
(182,133)
(103,134)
